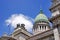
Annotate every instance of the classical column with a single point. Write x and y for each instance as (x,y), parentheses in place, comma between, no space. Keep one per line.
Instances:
(56,34)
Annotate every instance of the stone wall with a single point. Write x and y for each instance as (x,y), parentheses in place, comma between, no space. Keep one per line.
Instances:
(51,37)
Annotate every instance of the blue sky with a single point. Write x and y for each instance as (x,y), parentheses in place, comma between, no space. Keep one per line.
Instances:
(29,8)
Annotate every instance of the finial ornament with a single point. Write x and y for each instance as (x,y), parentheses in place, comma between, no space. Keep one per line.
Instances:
(17,26)
(22,26)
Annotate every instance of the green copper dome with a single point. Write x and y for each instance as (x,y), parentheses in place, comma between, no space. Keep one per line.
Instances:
(41,17)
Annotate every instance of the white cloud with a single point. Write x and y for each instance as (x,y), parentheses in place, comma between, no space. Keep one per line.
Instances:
(20,18)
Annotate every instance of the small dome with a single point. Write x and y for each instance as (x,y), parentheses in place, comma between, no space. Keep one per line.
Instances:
(41,17)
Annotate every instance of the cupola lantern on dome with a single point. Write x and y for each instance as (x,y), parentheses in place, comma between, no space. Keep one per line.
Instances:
(41,11)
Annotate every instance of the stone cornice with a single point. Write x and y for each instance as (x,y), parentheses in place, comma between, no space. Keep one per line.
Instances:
(53,6)
(41,35)
(53,18)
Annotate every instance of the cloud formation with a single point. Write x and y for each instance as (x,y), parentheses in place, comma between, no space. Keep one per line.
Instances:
(20,18)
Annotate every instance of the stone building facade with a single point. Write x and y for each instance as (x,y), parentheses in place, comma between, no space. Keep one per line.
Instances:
(41,29)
